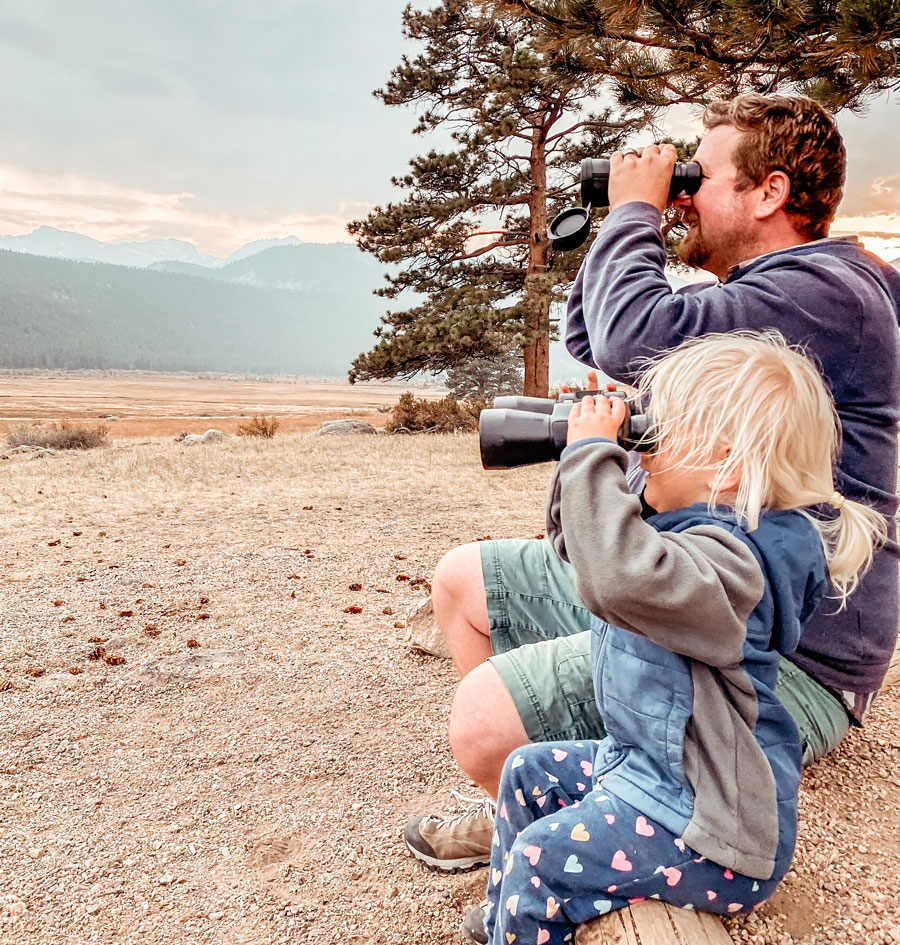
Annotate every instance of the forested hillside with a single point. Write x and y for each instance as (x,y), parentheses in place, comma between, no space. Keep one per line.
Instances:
(63,314)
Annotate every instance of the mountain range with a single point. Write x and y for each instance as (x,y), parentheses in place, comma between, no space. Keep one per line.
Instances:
(293,308)
(272,307)
(62,244)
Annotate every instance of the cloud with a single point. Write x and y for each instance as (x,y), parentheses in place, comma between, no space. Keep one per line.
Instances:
(113,212)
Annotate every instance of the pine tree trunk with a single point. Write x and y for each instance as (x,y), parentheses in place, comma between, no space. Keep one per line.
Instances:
(536,300)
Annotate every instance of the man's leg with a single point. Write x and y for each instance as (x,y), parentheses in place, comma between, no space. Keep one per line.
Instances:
(460,606)
(484,726)
(490,598)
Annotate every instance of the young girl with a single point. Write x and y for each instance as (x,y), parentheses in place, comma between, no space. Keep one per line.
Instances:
(692,796)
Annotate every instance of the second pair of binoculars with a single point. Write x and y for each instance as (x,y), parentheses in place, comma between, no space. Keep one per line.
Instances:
(519,431)
(572,227)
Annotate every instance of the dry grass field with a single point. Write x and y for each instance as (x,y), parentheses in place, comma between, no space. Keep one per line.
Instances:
(211,726)
(149,405)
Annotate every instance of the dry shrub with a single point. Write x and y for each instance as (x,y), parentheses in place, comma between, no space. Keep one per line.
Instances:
(59,436)
(415,415)
(259,426)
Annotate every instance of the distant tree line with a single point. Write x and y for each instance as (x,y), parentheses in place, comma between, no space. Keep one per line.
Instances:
(65,315)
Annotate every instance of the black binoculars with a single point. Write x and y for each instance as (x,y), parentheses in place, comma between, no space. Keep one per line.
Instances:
(519,431)
(572,227)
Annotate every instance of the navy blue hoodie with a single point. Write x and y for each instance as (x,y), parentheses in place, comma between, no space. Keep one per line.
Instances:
(831,296)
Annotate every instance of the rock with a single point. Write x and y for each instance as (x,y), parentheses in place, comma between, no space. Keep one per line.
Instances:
(422,633)
(345,428)
(111,418)
(211,436)
(34,452)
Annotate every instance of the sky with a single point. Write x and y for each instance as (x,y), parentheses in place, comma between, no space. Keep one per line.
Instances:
(222,121)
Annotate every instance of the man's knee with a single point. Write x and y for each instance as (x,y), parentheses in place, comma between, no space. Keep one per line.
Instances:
(484,725)
(457,588)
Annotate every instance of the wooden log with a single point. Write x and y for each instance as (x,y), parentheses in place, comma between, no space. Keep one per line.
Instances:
(653,923)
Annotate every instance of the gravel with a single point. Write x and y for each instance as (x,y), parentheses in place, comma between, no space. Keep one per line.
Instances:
(239,762)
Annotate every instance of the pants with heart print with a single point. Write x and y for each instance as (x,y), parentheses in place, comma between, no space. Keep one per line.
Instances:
(565,852)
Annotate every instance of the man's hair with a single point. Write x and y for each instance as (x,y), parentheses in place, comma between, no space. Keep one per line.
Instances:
(793,134)
(766,400)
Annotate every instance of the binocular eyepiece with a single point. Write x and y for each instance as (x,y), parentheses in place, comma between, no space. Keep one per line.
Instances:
(520,431)
(572,227)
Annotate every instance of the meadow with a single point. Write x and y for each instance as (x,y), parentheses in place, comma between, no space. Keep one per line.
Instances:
(212,728)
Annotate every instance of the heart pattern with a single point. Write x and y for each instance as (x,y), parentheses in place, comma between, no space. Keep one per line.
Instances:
(735,906)
(559,754)
(552,907)
(579,833)
(621,862)
(543,937)
(512,904)
(535,881)
(642,828)
(510,938)
(517,762)
(673,875)
(496,875)
(573,865)
(520,797)
(587,768)
(532,854)
(602,906)
(610,818)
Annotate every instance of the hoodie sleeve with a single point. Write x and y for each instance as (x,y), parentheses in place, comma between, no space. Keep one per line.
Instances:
(622,309)
(690,591)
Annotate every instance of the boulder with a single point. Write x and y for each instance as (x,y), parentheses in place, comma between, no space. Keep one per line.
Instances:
(422,633)
(211,436)
(345,428)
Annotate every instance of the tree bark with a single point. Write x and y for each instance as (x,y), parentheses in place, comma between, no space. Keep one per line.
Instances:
(536,301)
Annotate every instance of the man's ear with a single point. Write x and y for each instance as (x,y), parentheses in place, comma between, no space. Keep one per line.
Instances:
(774,192)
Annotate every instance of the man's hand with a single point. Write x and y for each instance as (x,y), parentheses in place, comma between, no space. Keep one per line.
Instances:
(595,416)
(644,176)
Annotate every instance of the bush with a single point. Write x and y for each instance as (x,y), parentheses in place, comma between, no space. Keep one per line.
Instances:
(259,426)
(59,436)
(416,415)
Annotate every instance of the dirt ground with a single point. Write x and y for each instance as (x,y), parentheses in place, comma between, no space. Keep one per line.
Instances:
(212,728)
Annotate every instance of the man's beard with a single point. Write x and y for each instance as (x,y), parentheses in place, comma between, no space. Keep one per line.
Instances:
(693,250)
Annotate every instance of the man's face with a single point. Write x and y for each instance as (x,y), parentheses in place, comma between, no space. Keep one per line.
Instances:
(719,215)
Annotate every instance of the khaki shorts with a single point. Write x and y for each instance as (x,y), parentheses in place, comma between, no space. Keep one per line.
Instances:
(541,640)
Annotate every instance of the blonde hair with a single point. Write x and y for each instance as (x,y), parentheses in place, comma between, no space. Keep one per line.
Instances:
(767,401)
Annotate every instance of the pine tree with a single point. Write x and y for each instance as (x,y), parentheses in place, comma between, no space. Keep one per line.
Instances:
(470,236)
(486,378)
(662,52)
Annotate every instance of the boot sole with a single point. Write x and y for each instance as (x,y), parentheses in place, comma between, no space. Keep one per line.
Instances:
(460,865)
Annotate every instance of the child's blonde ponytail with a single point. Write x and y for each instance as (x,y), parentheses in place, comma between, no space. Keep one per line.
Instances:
(850,540)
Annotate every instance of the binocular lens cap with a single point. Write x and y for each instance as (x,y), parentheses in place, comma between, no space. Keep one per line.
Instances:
(570,228)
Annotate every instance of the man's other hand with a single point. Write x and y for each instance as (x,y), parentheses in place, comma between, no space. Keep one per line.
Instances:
(643,176)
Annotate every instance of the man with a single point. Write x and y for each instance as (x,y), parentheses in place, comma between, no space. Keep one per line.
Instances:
(773,170)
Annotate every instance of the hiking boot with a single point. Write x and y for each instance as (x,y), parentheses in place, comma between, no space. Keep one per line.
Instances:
(473,930)
(452,842)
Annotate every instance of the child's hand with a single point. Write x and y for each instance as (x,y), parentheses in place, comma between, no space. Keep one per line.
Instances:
(595,416)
